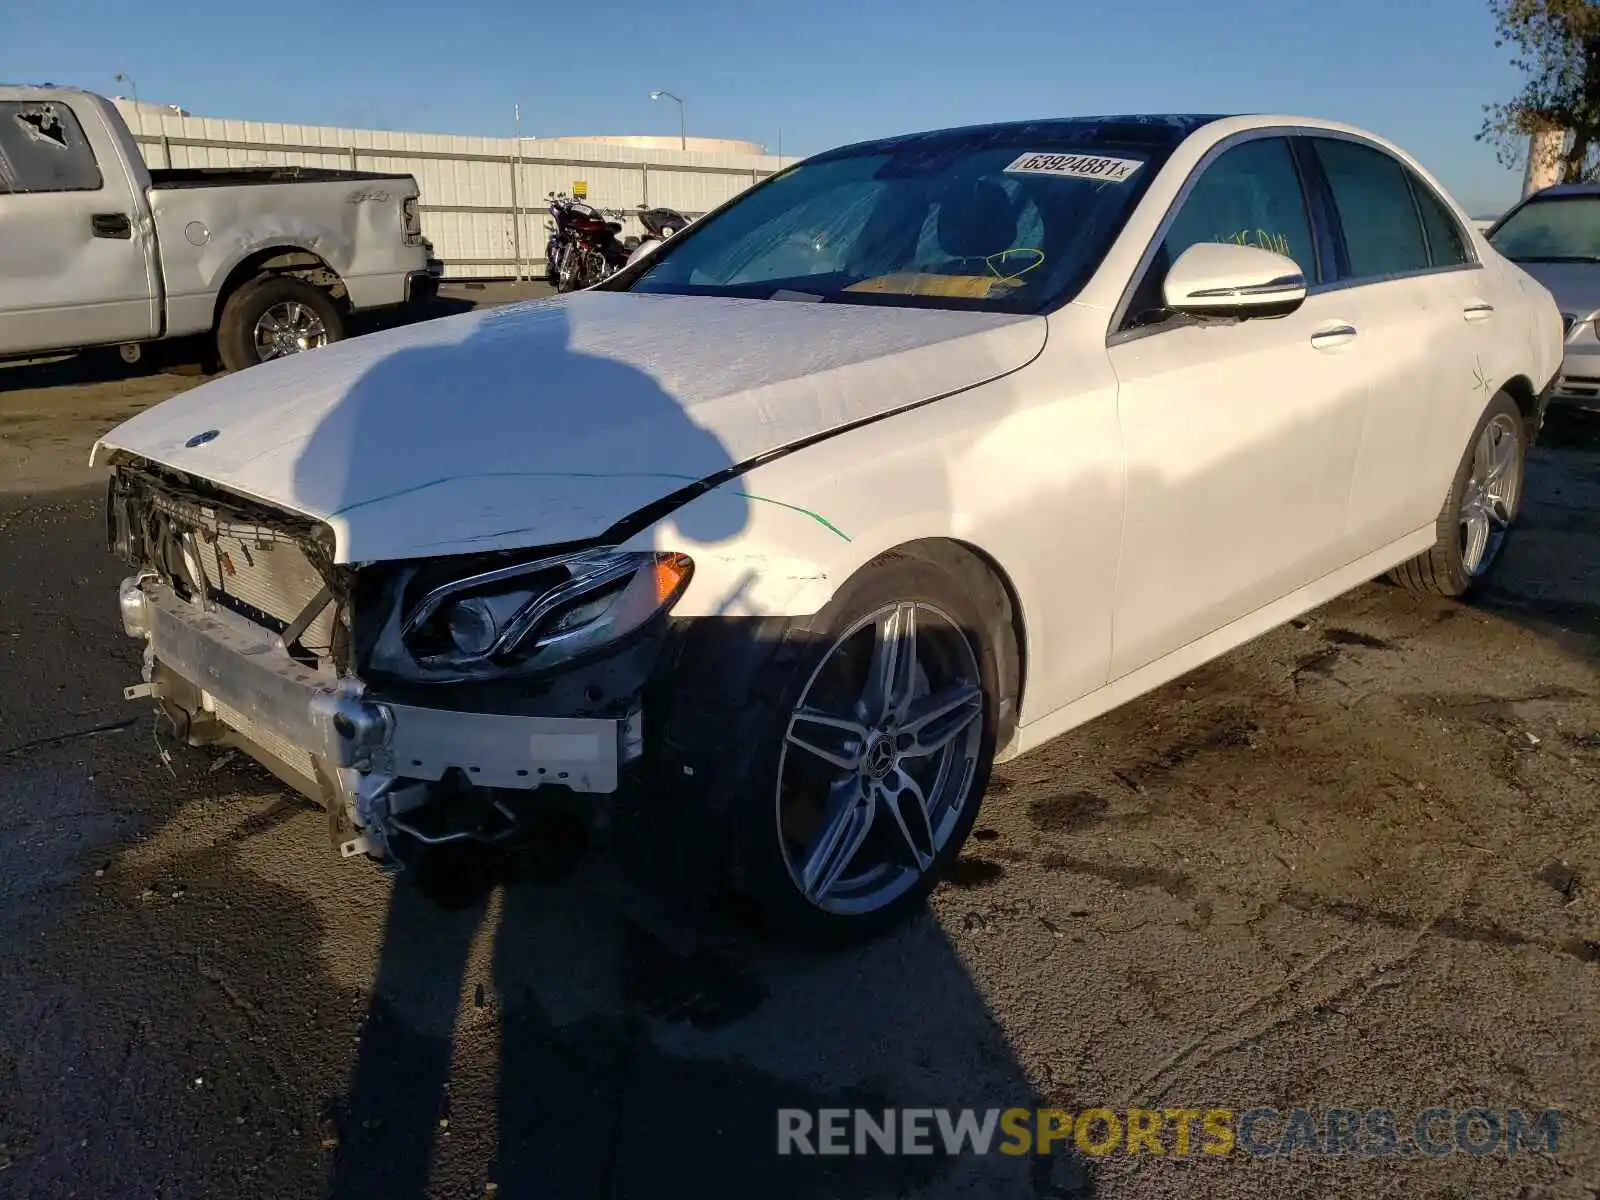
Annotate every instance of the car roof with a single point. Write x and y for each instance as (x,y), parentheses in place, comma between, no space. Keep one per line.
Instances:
(1569,189)
(1155,129)
(1159,131)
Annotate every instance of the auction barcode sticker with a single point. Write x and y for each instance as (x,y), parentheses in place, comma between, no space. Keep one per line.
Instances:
(1077,166)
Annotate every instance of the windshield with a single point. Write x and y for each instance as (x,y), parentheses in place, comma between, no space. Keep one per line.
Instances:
(1555,229)
(1006,219)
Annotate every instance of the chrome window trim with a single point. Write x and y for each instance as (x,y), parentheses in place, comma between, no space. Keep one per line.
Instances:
(1116,335)
(1342,285)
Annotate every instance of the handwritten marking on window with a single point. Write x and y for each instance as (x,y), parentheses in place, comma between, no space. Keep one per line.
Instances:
(1276,242)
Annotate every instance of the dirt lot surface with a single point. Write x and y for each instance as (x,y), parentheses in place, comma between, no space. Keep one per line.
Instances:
(1354,864)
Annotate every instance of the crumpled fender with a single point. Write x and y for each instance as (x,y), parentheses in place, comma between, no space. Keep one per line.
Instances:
(221,256)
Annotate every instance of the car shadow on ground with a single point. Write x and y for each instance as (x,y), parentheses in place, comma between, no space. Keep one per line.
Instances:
(632,1064)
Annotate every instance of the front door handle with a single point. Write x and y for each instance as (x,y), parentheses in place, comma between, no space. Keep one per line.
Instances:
(111,225)
(1333,337)
(1478,312)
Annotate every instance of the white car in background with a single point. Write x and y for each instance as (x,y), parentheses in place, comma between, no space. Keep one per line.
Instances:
(1554,235)
(908,460)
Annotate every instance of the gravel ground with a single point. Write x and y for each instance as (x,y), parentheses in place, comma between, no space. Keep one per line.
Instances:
(1353,864)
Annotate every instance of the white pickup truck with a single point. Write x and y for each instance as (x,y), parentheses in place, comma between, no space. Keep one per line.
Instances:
(97,249)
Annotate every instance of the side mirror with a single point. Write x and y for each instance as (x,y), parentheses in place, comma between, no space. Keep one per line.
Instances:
(1225,279)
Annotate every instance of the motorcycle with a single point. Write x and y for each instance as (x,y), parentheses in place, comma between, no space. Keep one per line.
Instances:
(659,225)
(583,247)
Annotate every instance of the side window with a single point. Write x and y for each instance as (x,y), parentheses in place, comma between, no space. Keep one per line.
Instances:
(1382,230)
(1447,246)
(1250,194)
(42,149)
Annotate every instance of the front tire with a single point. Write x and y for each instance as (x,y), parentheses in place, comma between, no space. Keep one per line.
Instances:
(569,270)
(870,730)
(1477,515)
(274,316)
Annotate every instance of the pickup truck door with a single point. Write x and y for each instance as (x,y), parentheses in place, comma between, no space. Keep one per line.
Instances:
(76,254)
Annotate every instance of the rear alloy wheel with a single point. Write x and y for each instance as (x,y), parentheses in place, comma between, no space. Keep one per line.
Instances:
(288,327)
(1476,519)
(1489,501)
(275,316)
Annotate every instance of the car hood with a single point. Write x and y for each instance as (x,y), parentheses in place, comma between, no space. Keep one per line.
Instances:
(1575,286)
(549,421)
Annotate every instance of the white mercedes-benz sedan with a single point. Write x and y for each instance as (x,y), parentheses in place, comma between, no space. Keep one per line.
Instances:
(904,462)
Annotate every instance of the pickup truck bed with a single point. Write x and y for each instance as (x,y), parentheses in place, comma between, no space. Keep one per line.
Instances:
(197,177)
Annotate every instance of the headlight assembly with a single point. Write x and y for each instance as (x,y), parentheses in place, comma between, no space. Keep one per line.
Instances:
(532,616)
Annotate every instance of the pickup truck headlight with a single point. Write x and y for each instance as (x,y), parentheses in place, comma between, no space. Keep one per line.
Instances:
(541,614)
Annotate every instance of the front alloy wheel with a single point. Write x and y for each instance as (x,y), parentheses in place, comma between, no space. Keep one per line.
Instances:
(880,759)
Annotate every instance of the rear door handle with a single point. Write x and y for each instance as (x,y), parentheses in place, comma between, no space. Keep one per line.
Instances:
(111,225)
(1333,336)
(1478,312)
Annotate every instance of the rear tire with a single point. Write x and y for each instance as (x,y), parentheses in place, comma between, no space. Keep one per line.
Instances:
(1475,521)
(238,343)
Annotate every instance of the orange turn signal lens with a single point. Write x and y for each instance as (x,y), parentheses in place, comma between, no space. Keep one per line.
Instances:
(670,573)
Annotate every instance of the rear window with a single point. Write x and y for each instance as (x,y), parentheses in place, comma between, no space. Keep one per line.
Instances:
(42,149)
(1447,246)
(1382,228)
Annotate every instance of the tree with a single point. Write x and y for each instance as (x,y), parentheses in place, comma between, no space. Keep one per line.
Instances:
(1556,45)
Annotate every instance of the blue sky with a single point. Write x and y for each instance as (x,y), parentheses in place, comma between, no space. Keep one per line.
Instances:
(822,72)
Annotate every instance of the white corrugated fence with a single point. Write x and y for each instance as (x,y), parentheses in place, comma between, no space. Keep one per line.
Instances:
(483,199)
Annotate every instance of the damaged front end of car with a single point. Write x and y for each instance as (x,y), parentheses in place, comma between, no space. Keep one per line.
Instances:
(421,702)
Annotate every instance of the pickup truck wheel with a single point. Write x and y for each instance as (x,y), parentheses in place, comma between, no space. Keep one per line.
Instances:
(1475,521)
(275,316)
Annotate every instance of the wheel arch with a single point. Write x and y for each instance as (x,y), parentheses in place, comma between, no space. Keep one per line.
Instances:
(283,258)
(1008,632)
(1520,388)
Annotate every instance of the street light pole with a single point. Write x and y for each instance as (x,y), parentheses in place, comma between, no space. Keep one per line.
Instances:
(138,113)
(683,124)
(516,216)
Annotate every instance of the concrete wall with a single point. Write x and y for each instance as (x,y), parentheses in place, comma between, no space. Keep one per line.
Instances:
(664,141)
(483,199)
